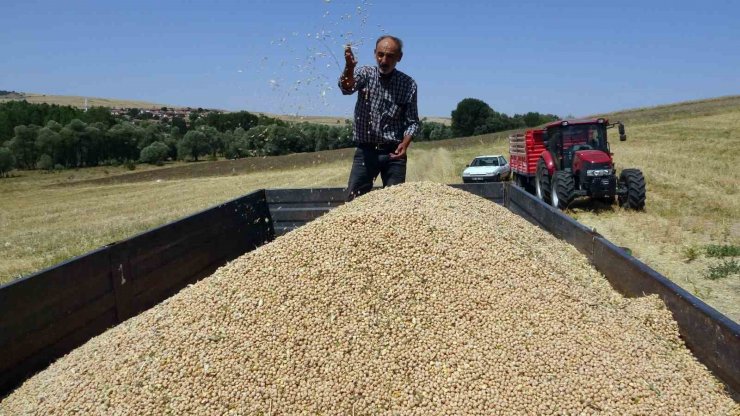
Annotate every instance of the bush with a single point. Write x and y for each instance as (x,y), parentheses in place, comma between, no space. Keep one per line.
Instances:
(129,164)
(45,162)
(155,153)
(726,250)
(727,268)
(690,253)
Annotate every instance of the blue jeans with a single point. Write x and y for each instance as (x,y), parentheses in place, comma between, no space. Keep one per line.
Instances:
(367,164)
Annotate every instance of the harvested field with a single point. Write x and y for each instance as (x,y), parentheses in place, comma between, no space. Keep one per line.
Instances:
(417,299)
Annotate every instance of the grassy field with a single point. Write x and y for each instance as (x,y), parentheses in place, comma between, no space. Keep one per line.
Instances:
(688,152)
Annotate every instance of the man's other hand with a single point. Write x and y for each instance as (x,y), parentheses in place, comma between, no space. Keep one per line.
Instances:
(400,151)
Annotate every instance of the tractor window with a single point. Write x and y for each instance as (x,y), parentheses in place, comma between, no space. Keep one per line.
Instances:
(585,136)
(553,141)
(573,135)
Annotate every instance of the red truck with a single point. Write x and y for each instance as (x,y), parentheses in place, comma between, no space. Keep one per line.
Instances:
(568,159)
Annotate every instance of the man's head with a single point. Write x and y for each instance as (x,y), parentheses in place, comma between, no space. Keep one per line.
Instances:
(388,52)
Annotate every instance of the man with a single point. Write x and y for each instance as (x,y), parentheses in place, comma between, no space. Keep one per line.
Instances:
(386,116)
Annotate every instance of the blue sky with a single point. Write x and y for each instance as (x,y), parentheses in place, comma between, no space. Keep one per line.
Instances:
(568,58)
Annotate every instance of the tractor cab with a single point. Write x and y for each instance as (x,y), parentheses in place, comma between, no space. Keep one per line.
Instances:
(573,143)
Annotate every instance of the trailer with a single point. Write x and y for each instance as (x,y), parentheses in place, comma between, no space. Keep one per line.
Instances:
(47,314)
(569,159)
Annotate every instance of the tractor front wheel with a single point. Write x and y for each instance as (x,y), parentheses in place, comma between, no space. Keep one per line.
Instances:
(563,190)
(633,183)
(542,182)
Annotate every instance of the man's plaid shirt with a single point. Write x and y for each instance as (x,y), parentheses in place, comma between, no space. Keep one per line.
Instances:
(386,110)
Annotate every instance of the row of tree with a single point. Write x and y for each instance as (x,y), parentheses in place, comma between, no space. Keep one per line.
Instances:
(79,144)
(56,137)
(472,117)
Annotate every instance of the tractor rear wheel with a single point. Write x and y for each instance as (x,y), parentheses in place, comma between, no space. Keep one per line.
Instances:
(633,182)
(563,189)
(542,182)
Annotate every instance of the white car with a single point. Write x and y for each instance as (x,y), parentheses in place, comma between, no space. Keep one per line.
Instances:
(492,168)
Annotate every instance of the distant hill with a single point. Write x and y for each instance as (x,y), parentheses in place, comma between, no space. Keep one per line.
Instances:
(78,102)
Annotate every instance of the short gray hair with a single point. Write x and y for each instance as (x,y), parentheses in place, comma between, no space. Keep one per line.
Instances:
(398,41)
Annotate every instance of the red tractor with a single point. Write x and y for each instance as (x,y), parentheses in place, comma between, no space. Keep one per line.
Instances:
(571,158)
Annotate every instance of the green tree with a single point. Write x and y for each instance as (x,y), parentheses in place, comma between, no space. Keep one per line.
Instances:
(533,119)
(122,142)
(48,142)
(7,161)
(150,133)
(54,125)
(469,114)
(227,140)
(179,123)
(496,122)
(17,113)
(213,141)
(23,146)
(99,115)
(94,142)
(45,162)
(193,117)
(155,153)
(192,146)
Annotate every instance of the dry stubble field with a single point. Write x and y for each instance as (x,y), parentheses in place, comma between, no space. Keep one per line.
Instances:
(688,152)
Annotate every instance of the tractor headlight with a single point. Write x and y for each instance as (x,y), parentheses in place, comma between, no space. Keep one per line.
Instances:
(598,172)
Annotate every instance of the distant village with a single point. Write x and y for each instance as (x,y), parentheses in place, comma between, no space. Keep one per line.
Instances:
(164,114)
(160,113)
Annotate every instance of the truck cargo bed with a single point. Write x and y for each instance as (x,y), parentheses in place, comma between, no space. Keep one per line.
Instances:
(45,315)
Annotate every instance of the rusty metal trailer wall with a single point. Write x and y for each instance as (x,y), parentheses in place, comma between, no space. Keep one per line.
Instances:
(46,315)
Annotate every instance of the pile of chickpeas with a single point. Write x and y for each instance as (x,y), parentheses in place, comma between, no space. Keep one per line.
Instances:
(415,299)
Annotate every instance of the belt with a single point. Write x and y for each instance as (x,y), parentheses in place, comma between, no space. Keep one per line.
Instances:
(381,146)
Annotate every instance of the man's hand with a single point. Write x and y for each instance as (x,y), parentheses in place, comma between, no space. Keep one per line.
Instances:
(349,57)
(400,152)
(348,76)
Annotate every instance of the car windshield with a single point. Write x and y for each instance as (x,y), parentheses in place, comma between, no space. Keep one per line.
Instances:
(485,161)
